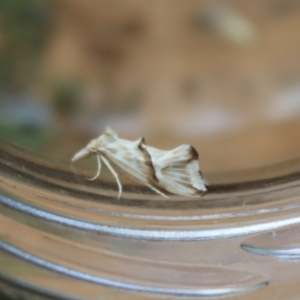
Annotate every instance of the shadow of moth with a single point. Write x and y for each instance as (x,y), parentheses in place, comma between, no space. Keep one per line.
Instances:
(176,171)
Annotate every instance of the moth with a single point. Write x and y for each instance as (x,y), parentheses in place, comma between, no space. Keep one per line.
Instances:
(176,171)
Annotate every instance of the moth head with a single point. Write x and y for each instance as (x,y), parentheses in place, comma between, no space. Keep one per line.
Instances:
(108,136)
(88,151)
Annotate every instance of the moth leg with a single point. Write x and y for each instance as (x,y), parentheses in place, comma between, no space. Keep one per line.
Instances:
(157,191)
(99,168)
(111,169)
(203,193)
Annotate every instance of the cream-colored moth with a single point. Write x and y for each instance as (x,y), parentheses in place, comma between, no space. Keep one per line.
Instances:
(176,171)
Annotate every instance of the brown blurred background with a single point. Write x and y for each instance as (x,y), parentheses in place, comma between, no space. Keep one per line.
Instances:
(221,75)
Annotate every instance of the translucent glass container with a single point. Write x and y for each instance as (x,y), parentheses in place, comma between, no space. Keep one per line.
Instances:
(223,77)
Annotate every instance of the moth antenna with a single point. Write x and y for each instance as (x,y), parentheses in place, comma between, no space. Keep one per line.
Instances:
(157,191)
(99,168)
(111,169)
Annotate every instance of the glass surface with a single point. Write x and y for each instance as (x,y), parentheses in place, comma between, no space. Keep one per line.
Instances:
(64,235)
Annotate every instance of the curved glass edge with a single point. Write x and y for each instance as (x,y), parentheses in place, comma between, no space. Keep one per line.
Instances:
(67,198)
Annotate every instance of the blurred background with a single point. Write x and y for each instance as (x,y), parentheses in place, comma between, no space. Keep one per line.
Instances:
(223,76)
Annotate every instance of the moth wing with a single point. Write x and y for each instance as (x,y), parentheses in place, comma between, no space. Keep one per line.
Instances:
(178,170)
(132,158)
